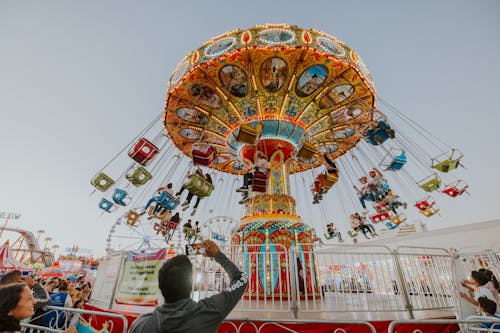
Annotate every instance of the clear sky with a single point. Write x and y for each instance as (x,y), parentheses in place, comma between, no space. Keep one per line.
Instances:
(78,80)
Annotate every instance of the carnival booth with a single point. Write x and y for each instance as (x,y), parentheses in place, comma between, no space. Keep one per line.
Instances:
(8,262)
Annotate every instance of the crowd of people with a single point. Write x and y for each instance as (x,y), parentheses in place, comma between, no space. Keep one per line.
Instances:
(24,298)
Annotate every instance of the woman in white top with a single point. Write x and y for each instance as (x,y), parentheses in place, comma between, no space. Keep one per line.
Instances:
(479,281)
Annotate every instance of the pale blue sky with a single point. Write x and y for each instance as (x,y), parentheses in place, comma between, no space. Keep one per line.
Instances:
(79,79)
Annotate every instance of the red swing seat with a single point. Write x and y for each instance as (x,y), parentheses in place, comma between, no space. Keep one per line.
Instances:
(427,207)
(203,154)
(455,189)
(143,151)
(380,217)
(260,181)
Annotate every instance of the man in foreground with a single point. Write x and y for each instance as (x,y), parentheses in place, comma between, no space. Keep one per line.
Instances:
(180,313)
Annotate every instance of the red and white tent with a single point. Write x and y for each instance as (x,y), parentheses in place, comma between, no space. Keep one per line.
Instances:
(8,262)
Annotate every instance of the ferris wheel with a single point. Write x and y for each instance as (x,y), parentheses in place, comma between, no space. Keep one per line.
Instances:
(134,233)
(219,228)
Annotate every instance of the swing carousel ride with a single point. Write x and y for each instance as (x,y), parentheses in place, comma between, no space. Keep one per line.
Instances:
(292,113)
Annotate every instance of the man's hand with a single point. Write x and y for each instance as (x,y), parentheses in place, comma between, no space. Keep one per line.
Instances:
(70,330)
(28,280)
(210,247)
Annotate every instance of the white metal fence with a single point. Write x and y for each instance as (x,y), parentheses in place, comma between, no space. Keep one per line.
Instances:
(336,279)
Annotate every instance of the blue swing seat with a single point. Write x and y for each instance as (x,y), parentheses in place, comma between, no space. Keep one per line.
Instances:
(106,205)
(398,162)
(391,226)
(167,200)
(119,197)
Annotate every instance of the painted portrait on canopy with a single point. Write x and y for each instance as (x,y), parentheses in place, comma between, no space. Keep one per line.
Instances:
(273,73)
(192,116)
(206,95)
(310,80)
(234,80)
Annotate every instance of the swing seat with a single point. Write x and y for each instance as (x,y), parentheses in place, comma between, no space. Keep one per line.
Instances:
(328,237)
(102,182)
(447,165)
(260,181)
(171,225)
(427,207)
(189,232)
(143,151)
(380,217)
(398,162)
(106,205)
(307,151)
(431,183)
(161,217)
(168,201)
(132,217)
(391,225)
(398,218)
(332,177)
(380,134)
(203,154)
(352,233)
(139,176)
(249,134)
(324,182)
(428,212)
(199,186)
(119,197)
(160,227)
(394,160)
(456,189)
(447,161)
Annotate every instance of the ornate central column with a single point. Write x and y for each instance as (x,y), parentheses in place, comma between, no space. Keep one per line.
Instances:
(271,227)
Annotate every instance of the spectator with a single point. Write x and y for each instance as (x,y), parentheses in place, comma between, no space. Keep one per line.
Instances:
(59,299)
(16,304)
(488,308)
(40,295)
(180,313)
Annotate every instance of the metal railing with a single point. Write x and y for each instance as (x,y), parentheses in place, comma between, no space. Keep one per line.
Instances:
(237,325)
(56,319)
(471,324)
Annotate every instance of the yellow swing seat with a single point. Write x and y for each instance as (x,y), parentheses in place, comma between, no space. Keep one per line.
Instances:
(398,218)
(132,217)
(199,186)
(307,151)
(431,183)
(447,161)
(139,176)
(249,134)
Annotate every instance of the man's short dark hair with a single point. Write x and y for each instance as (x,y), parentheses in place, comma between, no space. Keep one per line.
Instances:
(489,306)
(10,277)
(176,278)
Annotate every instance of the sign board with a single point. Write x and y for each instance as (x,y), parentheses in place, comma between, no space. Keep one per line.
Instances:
(138,284)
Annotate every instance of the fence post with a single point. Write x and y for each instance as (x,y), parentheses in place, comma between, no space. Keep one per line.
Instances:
(118,276)
(402,282)
(454,256)
(293,282)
